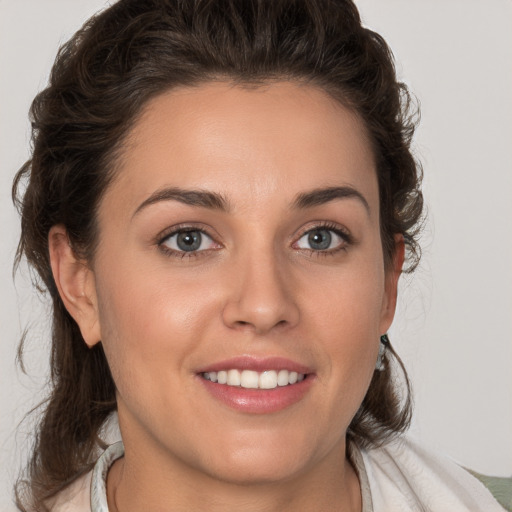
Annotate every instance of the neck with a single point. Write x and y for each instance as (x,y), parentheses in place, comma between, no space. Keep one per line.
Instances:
(134,484)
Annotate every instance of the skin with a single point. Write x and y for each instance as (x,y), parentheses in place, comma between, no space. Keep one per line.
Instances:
(256,289)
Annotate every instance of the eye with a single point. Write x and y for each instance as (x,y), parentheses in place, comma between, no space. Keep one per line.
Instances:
(322,239)
(190,240)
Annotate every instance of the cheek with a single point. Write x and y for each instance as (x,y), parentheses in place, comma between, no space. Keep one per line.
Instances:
(345,312)
(348,299)
(154,316)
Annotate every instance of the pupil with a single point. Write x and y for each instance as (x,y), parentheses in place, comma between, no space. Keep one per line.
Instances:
(189,240)
(320,240)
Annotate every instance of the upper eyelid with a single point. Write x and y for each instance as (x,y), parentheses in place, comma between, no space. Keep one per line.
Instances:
(330,226)
(215,236)
(166,235)
(175,233)
(183,227)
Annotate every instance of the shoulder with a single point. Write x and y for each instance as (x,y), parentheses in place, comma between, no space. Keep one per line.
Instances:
(76,497)
(403,475)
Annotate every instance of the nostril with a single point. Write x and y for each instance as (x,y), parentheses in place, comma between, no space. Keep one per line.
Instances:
(243,324)
(260,313)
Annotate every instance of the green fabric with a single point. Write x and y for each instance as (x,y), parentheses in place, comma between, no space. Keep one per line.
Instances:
(500,487)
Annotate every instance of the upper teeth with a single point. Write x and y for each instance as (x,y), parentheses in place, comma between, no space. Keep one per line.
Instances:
(268,379)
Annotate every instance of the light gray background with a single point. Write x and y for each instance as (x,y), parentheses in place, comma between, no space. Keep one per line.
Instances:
(454,324)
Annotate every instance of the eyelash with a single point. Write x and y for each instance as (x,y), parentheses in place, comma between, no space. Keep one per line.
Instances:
(344,234)
(175,230)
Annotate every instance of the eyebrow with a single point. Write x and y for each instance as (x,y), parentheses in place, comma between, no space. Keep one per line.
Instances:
(321,196)
(216,201)
(202,198)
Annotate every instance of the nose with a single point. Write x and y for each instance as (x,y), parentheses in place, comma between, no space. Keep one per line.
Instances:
(261,297)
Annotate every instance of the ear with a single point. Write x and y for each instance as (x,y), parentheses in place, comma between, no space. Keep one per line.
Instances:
(391,284)
(75,283)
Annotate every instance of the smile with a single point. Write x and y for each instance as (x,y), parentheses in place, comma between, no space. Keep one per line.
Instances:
(250,379)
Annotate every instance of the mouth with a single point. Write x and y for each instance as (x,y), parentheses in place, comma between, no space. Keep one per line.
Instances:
(257,385)
(250,379)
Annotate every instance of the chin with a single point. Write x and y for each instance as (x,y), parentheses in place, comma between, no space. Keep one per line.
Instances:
(256,471)
(265,459)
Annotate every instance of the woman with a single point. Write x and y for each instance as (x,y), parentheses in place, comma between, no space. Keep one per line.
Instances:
(220,201)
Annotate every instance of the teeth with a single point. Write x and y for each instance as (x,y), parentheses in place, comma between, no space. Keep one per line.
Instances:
(233,378)
(250,379)
(268,380)
(282,378)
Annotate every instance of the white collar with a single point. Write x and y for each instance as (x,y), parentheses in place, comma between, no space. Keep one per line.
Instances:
(99,476)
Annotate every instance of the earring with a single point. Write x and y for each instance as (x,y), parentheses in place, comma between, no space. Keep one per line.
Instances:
(384,342)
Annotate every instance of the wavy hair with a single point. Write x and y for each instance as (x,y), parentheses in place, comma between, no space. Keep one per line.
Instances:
(100,82)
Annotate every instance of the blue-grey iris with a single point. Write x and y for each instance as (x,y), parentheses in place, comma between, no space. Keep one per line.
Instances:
(320,239)
(189,240)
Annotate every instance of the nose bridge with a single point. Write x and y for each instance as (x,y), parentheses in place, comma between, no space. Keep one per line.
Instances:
(262,296)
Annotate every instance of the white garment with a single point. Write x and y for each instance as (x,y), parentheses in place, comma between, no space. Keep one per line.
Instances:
(405,477)
(400,477)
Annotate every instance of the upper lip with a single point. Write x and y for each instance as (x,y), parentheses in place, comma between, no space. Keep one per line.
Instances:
(258,364)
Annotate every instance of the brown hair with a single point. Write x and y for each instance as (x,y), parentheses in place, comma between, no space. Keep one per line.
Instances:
(101,80)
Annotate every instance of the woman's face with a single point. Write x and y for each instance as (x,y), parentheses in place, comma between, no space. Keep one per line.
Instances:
(240,240)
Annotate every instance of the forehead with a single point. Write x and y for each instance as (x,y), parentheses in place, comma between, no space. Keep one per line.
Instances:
(244,141)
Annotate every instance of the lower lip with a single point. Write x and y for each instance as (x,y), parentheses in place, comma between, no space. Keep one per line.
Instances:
(259,401)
